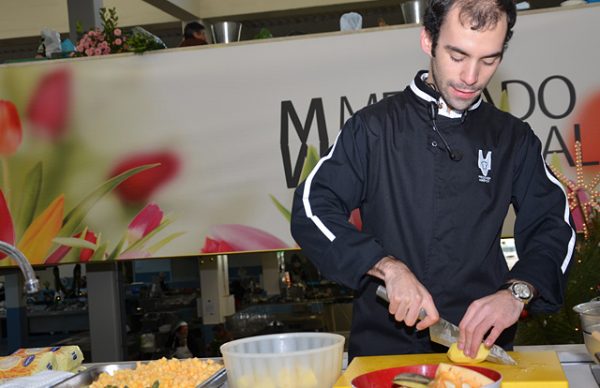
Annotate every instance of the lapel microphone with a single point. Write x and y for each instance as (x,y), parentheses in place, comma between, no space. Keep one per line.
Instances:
(433,111)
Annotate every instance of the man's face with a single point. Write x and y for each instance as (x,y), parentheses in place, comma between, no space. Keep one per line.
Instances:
(465,60)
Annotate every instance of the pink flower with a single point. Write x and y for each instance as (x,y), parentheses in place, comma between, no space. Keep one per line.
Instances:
(148,219)
(140,187)
(235,237)
(118,42)
(98,51)
(85,254)
(89,52)
(48,109)
(11,132)
(117,32)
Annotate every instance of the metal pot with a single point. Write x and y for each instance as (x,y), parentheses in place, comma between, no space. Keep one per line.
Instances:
(413,11)
(226,32)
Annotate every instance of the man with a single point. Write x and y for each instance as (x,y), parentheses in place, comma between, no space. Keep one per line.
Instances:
(433,171)
(193,35)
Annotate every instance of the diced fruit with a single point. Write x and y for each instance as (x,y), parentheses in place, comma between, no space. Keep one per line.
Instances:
(457,355)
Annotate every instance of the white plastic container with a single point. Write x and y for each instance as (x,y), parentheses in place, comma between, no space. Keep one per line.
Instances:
(291,360)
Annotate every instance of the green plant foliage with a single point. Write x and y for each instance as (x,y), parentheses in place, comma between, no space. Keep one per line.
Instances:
(583,285)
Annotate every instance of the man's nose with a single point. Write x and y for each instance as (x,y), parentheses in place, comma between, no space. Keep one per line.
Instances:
(470,73)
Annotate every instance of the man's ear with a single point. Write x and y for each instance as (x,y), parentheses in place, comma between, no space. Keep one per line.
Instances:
(426,43)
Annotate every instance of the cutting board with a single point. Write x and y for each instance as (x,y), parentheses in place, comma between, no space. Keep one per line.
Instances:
(533,369)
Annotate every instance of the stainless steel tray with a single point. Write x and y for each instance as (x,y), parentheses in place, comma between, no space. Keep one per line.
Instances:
(88,376)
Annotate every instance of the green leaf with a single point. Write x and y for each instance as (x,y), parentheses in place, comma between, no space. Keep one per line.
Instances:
(115,252)
(75,242)
(154,248)
(99,253)
(282,209)
(78,213)
(30,195)
(311,160)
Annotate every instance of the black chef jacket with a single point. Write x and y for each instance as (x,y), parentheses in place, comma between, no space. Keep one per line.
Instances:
(438,205)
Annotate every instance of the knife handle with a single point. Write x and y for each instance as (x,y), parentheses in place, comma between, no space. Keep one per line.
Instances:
(382,293)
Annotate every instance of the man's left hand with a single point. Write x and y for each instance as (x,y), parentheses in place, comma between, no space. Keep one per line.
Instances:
(496,312)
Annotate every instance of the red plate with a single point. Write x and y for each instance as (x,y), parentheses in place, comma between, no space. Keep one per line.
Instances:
(383,378)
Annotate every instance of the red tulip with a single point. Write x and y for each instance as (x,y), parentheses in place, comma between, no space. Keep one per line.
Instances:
(7,230)
(48,108)
(85,254)
(11,132)
(234,237)
(148,219)
(140,187)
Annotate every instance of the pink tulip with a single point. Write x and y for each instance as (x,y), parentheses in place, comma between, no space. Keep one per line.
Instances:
(148,219)
(140,187)
(235,237)
(48,109)
(84,255)
(11,132)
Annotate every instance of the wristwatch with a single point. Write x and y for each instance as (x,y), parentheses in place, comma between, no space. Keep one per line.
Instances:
(520,290)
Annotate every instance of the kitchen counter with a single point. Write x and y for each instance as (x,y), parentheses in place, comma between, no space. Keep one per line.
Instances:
(575,361)
(535,370)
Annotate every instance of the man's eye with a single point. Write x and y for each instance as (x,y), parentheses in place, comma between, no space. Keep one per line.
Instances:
(456,59)
(490,62)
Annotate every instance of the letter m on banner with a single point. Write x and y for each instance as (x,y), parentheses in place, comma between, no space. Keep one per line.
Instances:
(288,113)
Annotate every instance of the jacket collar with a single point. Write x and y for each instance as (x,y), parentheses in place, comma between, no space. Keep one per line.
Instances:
(426,93)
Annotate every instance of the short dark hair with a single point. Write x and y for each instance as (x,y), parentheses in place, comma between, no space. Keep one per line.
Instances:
(481,13)
(191,28)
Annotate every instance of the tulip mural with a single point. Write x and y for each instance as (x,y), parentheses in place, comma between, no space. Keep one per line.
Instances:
(45,212)
(50,234)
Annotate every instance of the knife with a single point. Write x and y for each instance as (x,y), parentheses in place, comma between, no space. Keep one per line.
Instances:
(446,333)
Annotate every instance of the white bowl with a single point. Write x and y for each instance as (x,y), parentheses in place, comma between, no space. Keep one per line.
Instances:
(292,360)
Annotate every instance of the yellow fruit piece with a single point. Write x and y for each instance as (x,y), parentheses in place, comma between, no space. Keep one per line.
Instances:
(456,355)
(448,375)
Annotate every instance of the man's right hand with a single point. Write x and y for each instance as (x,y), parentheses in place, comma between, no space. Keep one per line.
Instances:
(406,294)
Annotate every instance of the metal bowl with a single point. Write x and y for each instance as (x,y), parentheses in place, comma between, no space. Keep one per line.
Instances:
(589,315)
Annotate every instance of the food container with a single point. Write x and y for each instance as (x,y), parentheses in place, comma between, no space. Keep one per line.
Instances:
(292,360)
(589,314)
(91,374)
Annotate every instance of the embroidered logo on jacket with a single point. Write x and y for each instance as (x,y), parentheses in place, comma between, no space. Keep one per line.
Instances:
(485,165)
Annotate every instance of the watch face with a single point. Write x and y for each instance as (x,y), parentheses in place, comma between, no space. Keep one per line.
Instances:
(522,290)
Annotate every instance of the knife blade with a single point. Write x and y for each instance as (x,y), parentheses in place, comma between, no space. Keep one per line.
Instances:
(446,333)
